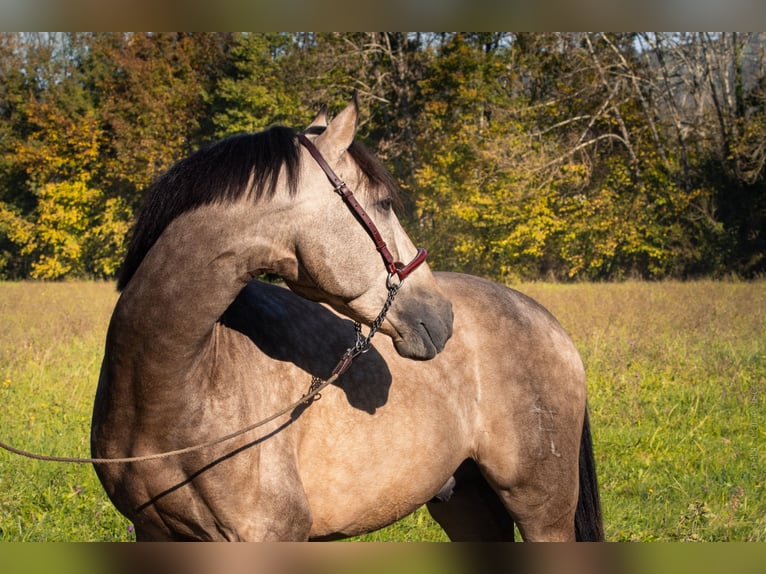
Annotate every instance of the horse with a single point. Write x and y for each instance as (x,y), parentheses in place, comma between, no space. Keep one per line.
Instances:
(473,403)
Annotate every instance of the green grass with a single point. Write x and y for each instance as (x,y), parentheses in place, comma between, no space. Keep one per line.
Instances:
(51,345)
(677,386)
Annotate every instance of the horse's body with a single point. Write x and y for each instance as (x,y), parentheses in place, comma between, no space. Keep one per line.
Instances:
(196,350)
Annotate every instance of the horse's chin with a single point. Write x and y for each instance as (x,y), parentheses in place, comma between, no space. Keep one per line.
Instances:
(418,350)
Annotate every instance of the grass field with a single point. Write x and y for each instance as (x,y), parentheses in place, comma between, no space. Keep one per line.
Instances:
(677,383)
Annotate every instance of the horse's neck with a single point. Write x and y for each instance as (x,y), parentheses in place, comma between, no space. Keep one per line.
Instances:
(167,313)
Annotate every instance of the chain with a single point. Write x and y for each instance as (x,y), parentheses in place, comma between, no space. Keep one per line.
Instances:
(361,345)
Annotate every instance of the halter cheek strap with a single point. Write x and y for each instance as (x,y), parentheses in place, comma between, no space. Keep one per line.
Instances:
(395,268)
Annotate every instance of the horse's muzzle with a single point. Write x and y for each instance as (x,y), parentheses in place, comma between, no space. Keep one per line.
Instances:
(423,329)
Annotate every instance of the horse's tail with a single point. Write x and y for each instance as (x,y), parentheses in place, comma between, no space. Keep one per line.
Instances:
(589,525)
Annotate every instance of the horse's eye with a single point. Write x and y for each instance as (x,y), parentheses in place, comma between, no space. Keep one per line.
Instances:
(386,204)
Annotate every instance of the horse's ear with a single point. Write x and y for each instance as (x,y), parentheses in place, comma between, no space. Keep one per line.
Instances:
(340,131)
(321,120)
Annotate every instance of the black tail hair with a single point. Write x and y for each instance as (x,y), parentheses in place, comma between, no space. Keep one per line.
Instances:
(589,525)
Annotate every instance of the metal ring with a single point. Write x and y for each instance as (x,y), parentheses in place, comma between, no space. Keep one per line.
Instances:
(391,285)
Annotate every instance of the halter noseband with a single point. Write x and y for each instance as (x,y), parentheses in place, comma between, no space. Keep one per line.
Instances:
(395,268)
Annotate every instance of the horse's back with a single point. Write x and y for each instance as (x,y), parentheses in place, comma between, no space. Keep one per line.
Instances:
(502,317)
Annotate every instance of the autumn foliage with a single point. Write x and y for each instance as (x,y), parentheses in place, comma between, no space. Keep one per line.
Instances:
(557,155)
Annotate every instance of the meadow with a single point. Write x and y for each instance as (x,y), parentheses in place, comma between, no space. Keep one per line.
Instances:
(677,392)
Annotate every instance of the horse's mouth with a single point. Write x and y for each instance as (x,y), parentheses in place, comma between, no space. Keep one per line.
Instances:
(426,341)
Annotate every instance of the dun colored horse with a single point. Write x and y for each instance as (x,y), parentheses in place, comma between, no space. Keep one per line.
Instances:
(487,426)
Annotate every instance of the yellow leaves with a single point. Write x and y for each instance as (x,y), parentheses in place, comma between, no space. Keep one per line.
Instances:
(573,176)
(63,147)
(65,205)
(50,267)
(106,238)
(533,223)
(64,214)
(502,205)
(17,229)
(73,231)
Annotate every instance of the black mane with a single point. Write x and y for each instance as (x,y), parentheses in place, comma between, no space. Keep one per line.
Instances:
(223,172)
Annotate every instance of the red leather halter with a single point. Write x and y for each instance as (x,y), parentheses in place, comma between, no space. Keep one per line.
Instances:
(396,268)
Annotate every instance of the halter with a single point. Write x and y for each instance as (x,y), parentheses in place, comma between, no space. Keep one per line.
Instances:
(395,268)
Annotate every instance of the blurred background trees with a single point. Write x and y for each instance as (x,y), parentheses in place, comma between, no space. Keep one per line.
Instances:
(557,155)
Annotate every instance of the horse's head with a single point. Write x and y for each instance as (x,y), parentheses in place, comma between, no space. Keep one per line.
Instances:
(264,203)
(339,259)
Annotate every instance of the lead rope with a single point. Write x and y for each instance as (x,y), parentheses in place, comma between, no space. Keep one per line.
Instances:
(362,345)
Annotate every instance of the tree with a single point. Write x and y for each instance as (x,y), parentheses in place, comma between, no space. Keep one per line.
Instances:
(564,155)
(150,90)
(71,226)
(481,202)
(708,90)
(255,93)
